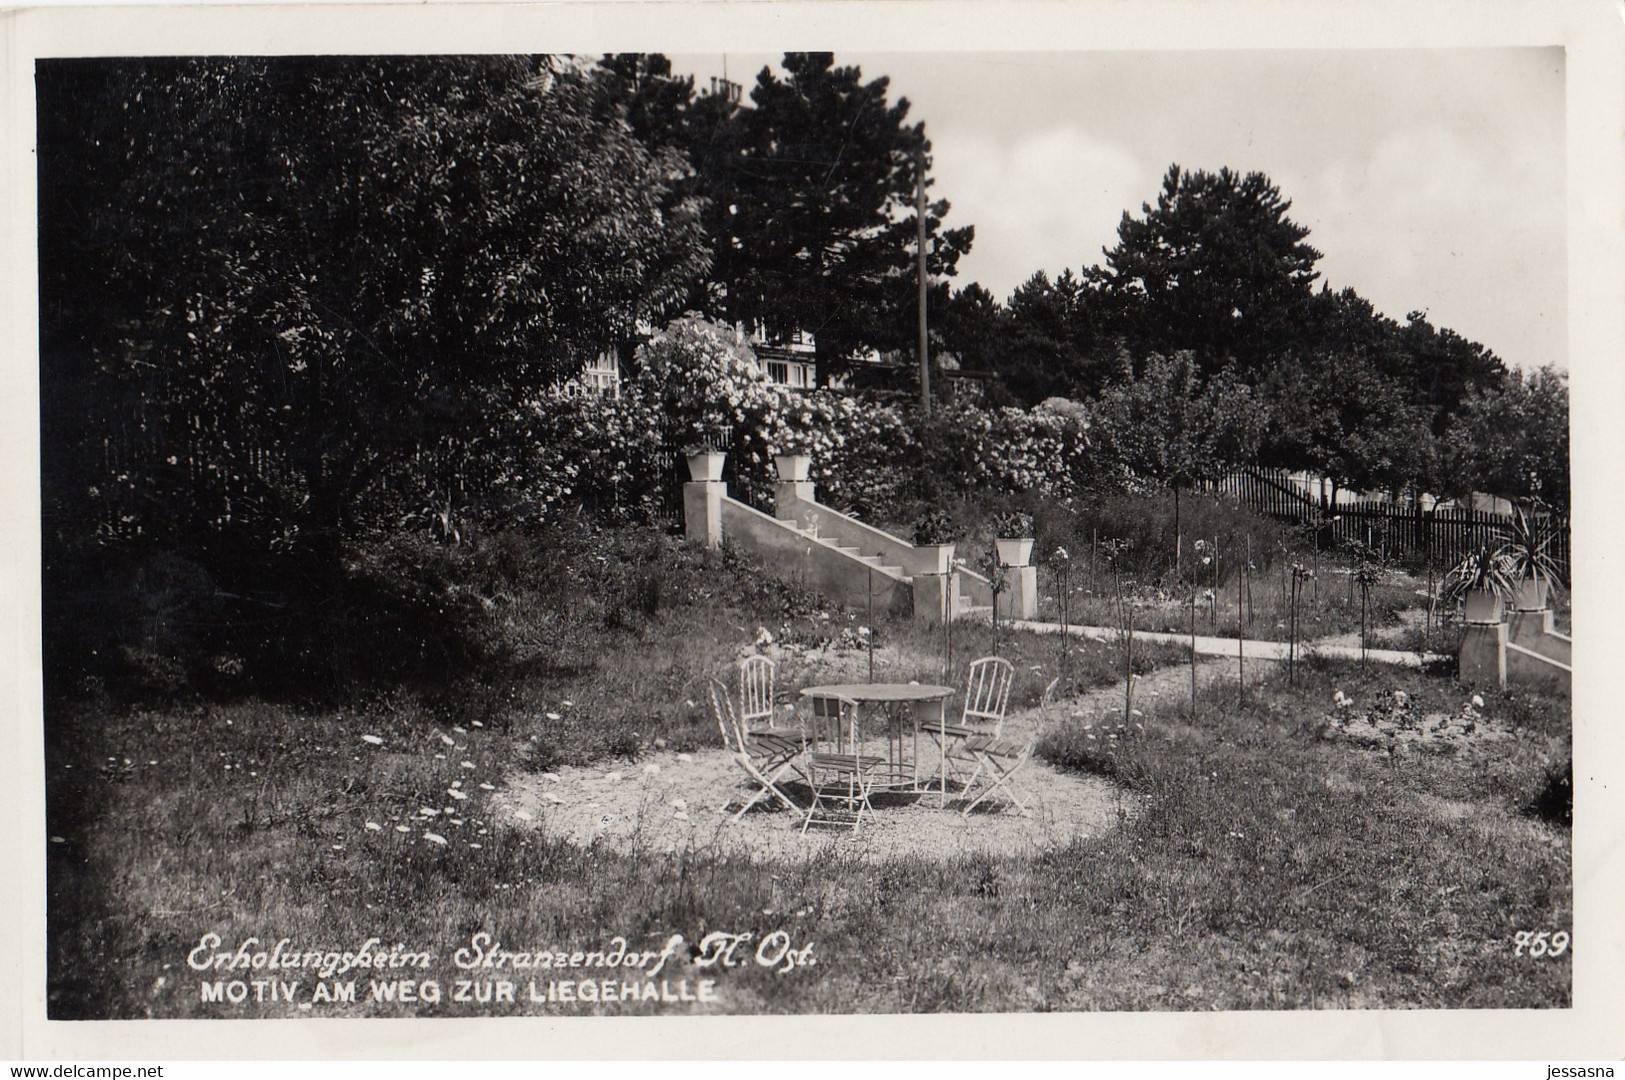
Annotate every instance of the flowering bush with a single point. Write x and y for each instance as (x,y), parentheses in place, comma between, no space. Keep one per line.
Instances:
(697,384)
(706,380)
(706,388)
(607,448)
(1013,524)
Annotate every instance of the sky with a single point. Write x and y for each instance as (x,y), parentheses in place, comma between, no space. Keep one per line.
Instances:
(1430,179)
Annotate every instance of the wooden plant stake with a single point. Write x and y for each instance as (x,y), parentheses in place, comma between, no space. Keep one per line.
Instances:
(1292,630)
(1213,609)
(1193,653)
(1365,602)
(1241,661)
(1128,683)
(1247,581)
(870,619)
(1427,617)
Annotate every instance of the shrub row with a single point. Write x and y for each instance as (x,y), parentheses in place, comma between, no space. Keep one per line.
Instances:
(696,384)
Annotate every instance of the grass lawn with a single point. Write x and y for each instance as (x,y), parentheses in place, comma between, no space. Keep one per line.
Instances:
(1270,860)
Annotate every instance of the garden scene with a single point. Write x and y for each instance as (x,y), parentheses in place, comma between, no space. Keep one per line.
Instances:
(1189,638)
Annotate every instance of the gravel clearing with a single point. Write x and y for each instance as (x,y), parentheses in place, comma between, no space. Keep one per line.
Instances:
(668,802)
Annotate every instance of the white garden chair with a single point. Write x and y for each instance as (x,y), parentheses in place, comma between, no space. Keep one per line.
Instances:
(987,694)
(766,757)
(998,759)
(837,777)
(756,678)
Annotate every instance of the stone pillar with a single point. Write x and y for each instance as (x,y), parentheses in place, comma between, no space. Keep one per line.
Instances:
(793,484)
(702,511)
(1019,600)
(935,597)
(1483,657)
(786,493)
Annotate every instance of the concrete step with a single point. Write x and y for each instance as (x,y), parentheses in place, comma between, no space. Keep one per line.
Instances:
(855,554)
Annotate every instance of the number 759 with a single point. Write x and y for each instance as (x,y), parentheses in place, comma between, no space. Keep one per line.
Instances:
(1540,942)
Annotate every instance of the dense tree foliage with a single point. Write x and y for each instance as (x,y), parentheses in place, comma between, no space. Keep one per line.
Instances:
(1215,267)
(1174,427)
(289,302)
(1513,440)
(811,188)
(318,279)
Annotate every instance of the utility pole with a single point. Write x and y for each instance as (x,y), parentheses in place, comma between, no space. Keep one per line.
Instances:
(919,210)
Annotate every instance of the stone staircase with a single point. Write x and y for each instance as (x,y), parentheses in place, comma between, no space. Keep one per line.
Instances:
(854,552)
(848,560)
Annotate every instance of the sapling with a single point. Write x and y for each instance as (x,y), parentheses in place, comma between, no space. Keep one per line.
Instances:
(1298,573)
(1193,652)
(1213,608)
(1367,575)
(1247,581)
(1128,663)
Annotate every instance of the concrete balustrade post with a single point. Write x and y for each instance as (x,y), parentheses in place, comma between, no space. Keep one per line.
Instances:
(935,597)
(1483,657)
(1019,600)
(789,497)
(702,511)
(702,499)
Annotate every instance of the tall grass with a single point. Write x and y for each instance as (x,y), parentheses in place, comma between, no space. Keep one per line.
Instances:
(1259,862)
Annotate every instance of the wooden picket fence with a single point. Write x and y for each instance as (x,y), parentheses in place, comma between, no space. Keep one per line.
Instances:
(1399,532)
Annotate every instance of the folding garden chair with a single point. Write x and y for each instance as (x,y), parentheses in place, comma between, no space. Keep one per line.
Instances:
(837,776)
(987,693)
(998,759)
(766,757)
(756,676)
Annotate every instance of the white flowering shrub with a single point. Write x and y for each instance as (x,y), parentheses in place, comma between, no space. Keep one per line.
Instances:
(601,453)
(702,379)
(697,384)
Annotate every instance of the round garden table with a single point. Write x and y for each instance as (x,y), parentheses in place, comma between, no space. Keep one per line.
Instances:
(928,704)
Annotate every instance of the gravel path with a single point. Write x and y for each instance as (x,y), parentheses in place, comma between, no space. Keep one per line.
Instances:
(1343,646)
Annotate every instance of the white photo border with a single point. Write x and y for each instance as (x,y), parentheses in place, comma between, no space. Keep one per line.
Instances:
(1592,33)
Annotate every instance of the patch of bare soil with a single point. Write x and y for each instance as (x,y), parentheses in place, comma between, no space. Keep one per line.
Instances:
(1393,724)
(671,801)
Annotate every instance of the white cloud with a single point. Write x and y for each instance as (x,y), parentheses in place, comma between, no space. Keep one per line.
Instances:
(1049,201)
(1433,219)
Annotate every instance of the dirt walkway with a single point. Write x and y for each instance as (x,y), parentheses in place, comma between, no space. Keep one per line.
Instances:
(1342,646)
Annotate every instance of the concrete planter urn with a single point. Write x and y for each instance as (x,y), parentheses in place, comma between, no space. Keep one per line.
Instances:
(705,465)
(935,558)
(1531,594)
(1015,552)
(793,468)
(1481,606)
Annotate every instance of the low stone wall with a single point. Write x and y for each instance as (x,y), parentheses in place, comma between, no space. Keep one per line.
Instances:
(1018,601)
(1528,668)
(819,566)
(1533,631)
(1523,651)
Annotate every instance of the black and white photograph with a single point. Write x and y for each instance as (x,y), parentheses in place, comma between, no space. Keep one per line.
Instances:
(702,527)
